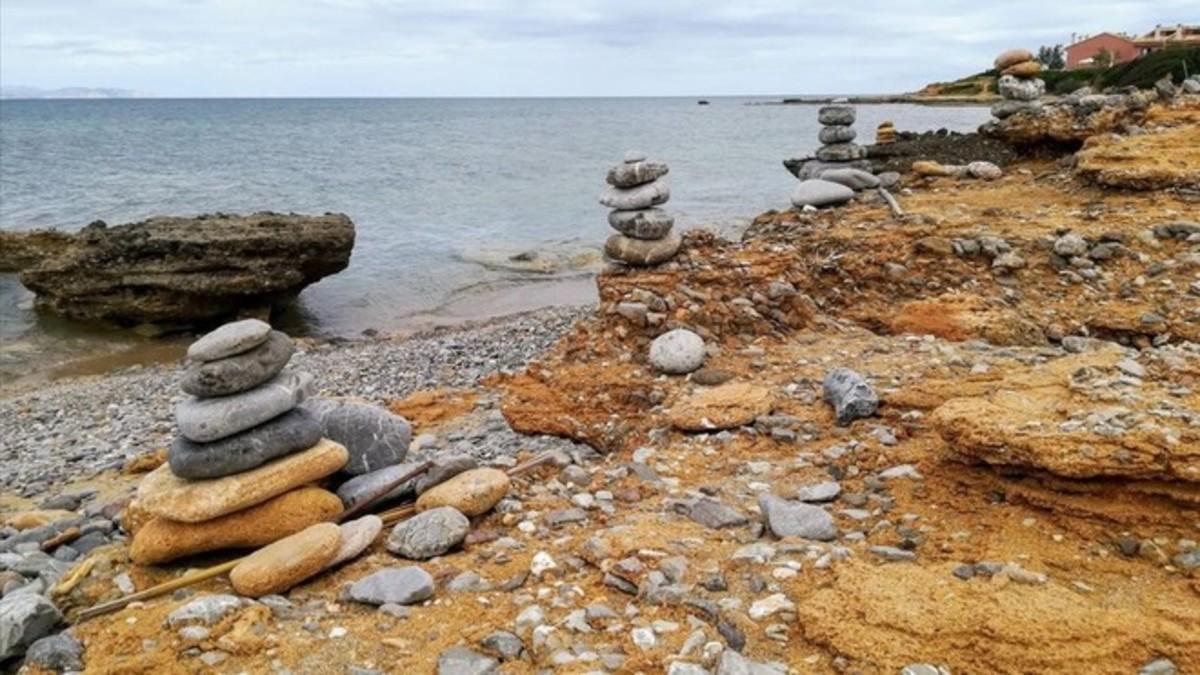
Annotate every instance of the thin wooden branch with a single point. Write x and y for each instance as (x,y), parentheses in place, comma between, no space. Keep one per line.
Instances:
(892,203)
(161,589)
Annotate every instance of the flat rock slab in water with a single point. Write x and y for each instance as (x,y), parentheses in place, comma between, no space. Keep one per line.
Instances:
(232,338)
(239,372)
(374,437)
(204,420)
(292,431)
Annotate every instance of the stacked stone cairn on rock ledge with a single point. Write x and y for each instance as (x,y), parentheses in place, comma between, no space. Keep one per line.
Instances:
(637,187)
(840,165)
(885,133)
(1018,84)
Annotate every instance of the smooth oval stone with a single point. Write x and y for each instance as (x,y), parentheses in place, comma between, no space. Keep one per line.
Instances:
(1023,69)
(429,533)
(398,585)
(836,115)
(374,436)
(162,540)
(232,338)
(204,420)
(290,432)
(650,223)
(632,156)
(279,566)
(633,174)
(796,519)
(840,152)
(855,179)
(357,536)
(817,192)
(642,252)
(641,197)
(836,134)
(472,492)
(677,352)
(1012,57)
(239,372)
(165,495)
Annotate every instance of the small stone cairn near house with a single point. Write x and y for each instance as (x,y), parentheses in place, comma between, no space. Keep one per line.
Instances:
(1018,85)
(636,188)
(839,168)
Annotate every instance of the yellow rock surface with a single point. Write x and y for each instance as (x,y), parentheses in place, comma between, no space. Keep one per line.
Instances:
(472,492)
(277,567)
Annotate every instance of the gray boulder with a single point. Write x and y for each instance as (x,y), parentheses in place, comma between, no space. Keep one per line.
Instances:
(374,437)
(58,653)
(429,533)
(24,618)
(836,134)
(1191,86)
(796,519)
(232,338)
(361,488)
(850,395)
(641,197)
(642,224)
(239,372)
(204,420)
(1021,88)
(677,352)
(463,661)
(819,192)
(836,115)
(855,179)
(396,585)
(295,430)
(633,174)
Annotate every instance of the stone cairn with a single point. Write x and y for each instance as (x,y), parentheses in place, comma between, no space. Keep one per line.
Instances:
(885,133)
(840,165)
(1018,85)
(637,187)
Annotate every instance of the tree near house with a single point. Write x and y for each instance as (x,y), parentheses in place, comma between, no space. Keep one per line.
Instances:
(1103,58)
(1052,58)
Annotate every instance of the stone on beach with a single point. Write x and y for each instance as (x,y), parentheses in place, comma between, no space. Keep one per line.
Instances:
(836,134)
(24,618)
(796,519)
(850,395)
(726,406)
(819,492)
(357,536)
(429,533)
(1023,69)
(163,540)
(640,251)
(204,420)
(984,170)
(292,431)
(836,115)
(1012,57)
(360,488)
(239,372)
(819,192)
(652,223)
(396,585)
(459,660)
(1005,109)
(677,352)
(165,495)
(641,197)
(277,567)
(232,338)
(855,179)
(840,152)
(373,436)
(632,174)
(472,492)
(1020,89)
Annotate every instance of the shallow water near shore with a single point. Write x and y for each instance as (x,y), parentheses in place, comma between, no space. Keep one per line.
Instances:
(444,192)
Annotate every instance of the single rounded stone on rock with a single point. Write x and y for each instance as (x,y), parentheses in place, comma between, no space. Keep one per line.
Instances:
(850,395)
(204,420)
(279,566)
(1020,89)
(840,152)
(984,170)
(796,519)
(641,197)
(723,407)
(397,585)
(640,251)
(472,492)
(163,540)
(1012,57)
(633,174)
(232,338)
(836,134)
(819,192)
(292,431)
(429,533)
(677,352)
(642,224)
(165,495)
(239,372)
(632,156)
(855,179)
(836,115)
(357,536)
(1023,69)
(374,436)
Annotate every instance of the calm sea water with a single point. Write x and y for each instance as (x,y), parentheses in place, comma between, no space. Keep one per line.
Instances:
(443,191)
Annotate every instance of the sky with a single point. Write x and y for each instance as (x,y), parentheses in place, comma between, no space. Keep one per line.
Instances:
(537,48)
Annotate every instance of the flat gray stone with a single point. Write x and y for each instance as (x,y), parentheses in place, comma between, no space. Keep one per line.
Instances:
(819,192)
(652,223)
(641,252)
(56,653)
(24,619)
(239,372)
(850,395)
(232,338)
(819,492)
(716,515)
(855,179)
(1005,109)
(796,519)
(360,488)
(429,533)
(840,152)
(836,134)
(633,174)
(677,352)
(290,432)
(504,644)
(836,115)
(396,585)
(206,610)
(204,420)
(463,661)
(641,197)
(374,437)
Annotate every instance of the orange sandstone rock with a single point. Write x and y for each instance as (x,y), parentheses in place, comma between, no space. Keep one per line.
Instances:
(472,492)
(289,561)
(725,407)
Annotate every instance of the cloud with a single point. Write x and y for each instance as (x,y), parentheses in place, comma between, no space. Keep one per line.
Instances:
(537,47)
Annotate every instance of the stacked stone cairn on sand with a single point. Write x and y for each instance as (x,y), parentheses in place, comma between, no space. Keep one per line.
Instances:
(636,188)
(839,168)
(1018,84)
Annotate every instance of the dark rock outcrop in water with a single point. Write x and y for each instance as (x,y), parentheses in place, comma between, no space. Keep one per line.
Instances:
(185,270)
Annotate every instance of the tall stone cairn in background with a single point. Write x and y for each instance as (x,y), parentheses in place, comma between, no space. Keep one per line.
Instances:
(1018,85)
(837,135)
(636,188)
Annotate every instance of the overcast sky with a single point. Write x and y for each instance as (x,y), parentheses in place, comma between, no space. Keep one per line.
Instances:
(537,48)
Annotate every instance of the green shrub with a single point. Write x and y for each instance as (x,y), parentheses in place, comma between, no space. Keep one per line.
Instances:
(1143,72)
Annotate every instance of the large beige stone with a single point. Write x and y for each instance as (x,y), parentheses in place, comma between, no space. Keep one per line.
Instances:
(165,495)
(1012,57)
(725,407)
(471,492)
(1023,69)
(163,540)
(277,567)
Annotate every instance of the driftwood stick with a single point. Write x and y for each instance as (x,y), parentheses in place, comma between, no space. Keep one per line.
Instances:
(161,589)
(892,203)
(65,537)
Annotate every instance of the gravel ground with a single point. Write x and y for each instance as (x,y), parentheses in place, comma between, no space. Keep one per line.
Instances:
(74,428)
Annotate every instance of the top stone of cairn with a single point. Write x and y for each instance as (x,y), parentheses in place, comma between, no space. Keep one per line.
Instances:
(836,115)
(1012,57)
(228,340)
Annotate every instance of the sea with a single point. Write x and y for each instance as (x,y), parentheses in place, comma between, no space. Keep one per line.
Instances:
(465,208)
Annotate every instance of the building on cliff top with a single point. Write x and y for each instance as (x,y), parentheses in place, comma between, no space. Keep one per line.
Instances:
(1084,49)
